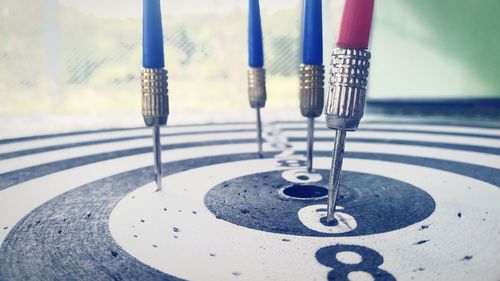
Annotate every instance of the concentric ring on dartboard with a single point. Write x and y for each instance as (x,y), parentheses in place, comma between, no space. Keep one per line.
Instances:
(53,181)
(43,163)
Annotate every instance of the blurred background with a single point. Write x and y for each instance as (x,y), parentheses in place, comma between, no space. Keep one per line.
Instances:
(74,65)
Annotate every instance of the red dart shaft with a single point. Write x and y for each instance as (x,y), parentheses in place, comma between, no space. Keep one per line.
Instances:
(356,24)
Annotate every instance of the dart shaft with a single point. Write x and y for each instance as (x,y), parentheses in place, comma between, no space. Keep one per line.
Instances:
(259,132)
(336,169)
(157,156)
(310,143)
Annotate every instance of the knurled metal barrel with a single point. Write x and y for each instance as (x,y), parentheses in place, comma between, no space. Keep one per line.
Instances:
(257,87)
(345,101)
(312,94)
(154,96)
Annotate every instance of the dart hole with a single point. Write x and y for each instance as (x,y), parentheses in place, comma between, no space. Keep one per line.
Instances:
(302,177)
(325,222)
(305,191)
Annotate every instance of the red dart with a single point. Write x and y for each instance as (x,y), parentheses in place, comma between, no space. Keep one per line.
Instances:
(346,96)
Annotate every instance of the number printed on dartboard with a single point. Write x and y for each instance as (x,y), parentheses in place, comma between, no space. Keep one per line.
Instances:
(352,262)
(348,262)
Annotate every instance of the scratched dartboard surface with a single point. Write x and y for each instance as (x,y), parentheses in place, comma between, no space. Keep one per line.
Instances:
(418,201)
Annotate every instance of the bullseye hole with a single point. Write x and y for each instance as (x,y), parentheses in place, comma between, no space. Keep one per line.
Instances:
(302,177)
(325,222)
(305,191)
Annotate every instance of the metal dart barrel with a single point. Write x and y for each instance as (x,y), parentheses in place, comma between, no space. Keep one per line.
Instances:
(345,102)
(154,96)
(257,98)
(155,110)
(311,101)
(344,108)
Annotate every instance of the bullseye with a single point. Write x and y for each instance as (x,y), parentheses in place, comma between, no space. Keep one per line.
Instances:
(377,203)
(303,191)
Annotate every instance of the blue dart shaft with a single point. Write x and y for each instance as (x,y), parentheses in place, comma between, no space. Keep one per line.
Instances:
(255,47)
(312,40)
(152,35)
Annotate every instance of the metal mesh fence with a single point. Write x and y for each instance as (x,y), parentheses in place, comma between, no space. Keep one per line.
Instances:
(59,56)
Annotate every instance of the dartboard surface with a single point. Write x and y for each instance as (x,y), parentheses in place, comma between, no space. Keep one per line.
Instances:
(418,201)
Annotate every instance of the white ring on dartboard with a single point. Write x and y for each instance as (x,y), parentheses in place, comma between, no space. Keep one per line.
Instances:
(269,256)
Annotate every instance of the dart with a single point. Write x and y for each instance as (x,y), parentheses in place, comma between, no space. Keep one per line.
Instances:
(154,79)
(311,71)
(256,72)
(346,96)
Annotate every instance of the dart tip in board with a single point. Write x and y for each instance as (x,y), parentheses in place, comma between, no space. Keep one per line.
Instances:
(157,157)
(259,132)
(335,172)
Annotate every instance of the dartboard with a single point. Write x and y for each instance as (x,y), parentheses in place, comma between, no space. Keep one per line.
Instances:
(417,201)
